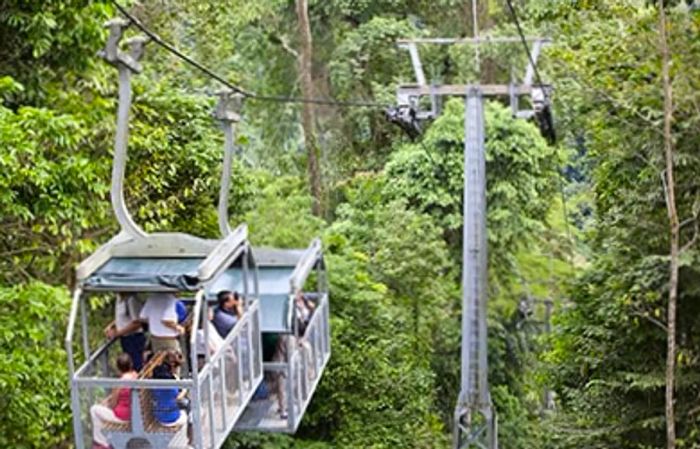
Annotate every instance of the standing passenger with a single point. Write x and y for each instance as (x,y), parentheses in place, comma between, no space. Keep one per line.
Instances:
(127,327)
(161,315)
(279,378)
(303,309)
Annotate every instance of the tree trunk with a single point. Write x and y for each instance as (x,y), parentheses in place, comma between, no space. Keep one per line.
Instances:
(307,117)
(674,225)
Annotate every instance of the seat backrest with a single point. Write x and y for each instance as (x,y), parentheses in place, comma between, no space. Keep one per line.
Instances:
(147,370)
(142,406)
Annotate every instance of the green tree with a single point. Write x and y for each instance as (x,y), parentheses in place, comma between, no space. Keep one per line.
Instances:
(521,181)
(35,409)
(608,353)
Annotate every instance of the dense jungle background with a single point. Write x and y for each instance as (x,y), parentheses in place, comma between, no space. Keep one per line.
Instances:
(582,223)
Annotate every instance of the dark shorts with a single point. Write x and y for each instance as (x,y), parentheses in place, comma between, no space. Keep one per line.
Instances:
(134,345)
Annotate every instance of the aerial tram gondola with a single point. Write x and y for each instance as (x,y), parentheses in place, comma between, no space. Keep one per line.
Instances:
(219,380)
(296,351)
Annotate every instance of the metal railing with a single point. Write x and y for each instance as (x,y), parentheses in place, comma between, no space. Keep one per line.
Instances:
(307,362)
(228,379)
(143,428)
(218,384)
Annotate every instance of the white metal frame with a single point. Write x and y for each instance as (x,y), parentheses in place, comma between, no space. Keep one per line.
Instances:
(219,259)
(299,389)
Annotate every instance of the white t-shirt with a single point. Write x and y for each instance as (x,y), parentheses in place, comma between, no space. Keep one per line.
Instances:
(215,340)
(127,309)
(159,307)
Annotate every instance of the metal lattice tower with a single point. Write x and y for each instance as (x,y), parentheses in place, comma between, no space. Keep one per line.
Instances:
(475,422)
(474,418)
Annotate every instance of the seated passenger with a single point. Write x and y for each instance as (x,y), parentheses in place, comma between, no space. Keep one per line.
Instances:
(226,316)
(116,407)
(128,328)
(228,312)
(166,408)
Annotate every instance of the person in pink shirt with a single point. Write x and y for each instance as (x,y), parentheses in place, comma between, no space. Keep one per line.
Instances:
(116,407)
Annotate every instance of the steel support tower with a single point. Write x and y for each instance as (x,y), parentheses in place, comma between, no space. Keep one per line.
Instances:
(475,422)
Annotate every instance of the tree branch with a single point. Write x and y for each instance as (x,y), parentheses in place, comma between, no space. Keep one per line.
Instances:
(283,42)
(694,239)
(22,251)
(651,319)
(613,101)
(696,228)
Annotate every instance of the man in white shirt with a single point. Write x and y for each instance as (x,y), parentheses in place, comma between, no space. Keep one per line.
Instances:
(161,315)
(127,327)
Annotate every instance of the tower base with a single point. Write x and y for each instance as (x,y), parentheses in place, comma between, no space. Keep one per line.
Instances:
(475,427)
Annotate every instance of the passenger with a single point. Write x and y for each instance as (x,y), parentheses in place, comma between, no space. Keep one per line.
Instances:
(181,311)
(228,312)
(116,407)
(128,328)
(303,309)
(214,343)
(166,401)
(160,312)
(279,378)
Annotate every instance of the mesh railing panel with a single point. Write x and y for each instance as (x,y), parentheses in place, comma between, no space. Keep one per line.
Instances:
(225,385)
(155,418)
(310,353)
(228,380)
(209,424)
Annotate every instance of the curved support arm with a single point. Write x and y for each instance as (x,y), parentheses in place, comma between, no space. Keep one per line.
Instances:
(227,113)
(120,146)
(224,226)
(68,342)
(307,262)
(125,63)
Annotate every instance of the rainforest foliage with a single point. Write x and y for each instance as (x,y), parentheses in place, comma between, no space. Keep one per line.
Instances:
(582,223)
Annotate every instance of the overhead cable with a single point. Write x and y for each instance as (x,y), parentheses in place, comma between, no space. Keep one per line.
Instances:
(514,14)
(250,95)
(172,49)
(565,212)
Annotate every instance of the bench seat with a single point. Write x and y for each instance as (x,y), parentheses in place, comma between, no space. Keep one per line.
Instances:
(143,424)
